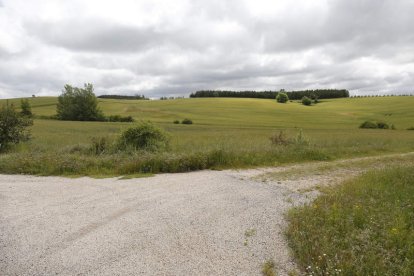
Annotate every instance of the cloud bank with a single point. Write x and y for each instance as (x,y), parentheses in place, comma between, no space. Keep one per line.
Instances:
(171,48)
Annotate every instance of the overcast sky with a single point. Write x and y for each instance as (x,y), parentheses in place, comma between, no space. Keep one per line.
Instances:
(172,48)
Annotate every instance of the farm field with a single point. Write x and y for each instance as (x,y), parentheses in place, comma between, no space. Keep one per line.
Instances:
(227,133)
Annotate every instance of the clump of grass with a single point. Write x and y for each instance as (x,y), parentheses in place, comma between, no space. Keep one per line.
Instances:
(368,124)
(99,145)
(268,268)
(187,121)
(176,122)
(280,139)
(250,233)
(410,128)
(364,227)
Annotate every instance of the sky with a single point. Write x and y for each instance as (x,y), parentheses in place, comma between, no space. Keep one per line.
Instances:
(172,48)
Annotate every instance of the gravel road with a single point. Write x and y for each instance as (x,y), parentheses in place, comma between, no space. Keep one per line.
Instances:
(199,223)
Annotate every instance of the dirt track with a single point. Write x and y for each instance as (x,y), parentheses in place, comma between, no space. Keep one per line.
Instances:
(200,223)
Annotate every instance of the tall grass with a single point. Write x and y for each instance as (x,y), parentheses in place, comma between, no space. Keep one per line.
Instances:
(364,227)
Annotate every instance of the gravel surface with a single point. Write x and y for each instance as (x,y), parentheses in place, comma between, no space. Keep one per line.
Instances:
(199,223)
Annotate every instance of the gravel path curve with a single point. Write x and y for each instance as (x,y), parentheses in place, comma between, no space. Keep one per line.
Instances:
(198,223)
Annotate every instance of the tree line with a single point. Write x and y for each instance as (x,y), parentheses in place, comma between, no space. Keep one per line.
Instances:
(123,97)
(293,95)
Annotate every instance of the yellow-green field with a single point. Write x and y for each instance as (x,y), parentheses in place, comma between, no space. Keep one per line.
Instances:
(237,130)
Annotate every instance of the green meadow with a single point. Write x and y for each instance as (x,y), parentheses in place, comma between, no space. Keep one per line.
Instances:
(227,133)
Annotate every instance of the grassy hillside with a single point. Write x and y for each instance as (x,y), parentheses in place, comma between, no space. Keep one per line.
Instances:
(237,128)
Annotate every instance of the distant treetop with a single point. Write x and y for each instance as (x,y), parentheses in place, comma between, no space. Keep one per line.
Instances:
(293,95)
(123,97)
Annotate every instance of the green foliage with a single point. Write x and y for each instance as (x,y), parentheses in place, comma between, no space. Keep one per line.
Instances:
(410,128)
(79,104)
(364,227)
(176,122)
(100,145)
(306,101)
(144,136)
(380,125)
(187,121)
(282,98)
(383,125)
(13,127)
(26,108)
(368,124)
(119,118)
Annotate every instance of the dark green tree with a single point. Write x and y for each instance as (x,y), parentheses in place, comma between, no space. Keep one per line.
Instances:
(26,108)
(282,97)
(13,127)
(306,101)
(79,104)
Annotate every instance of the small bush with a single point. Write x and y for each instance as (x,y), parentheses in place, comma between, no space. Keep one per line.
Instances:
(383,125)
(144,136)
(187,122)
(282,97)
(410,128)
(306,101)
(26,108)
(13,127)
(176,122)
(368,124)
(118,118)
(280,139)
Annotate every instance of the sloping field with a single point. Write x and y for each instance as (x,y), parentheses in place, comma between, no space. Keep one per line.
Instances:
(227,132)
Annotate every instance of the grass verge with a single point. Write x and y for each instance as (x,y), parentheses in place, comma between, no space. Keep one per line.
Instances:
(363,227)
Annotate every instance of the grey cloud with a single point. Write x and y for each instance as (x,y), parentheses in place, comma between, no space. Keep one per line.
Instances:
(95,36)
(358,45)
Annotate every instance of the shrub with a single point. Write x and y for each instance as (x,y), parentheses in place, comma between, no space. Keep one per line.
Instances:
(26,109)
(282,97)
(79,104)
(410,128)
(99,145)
(176,122)
(368,124)
(187,122)
(306,101)
(13,127)
(144,136)
(280,139)
(118,118)
(383,125)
